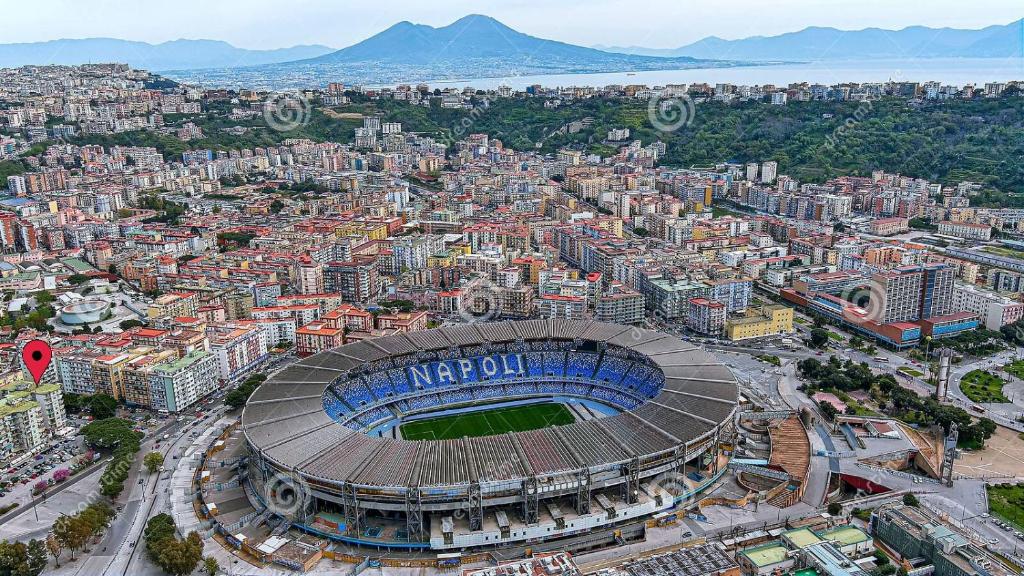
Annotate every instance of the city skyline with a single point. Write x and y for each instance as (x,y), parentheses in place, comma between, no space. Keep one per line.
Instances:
(260,24)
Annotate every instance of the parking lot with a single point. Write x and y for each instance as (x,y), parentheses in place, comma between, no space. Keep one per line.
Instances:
(17,483)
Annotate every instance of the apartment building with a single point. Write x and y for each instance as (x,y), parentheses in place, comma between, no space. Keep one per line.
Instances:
(994,310)
(966,230)
(178,384)
(620,304)
(771,320)
(240,349)
(706,316)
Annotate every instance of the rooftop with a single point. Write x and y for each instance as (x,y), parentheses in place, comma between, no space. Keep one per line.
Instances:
(766,555)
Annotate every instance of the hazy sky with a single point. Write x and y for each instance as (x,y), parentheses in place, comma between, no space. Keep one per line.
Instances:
(339,23)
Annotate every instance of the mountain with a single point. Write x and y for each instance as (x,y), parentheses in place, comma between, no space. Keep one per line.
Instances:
(474,46)
(816,43)
(472,39)
(173,55)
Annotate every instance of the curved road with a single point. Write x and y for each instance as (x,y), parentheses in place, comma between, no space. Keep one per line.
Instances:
(990,364)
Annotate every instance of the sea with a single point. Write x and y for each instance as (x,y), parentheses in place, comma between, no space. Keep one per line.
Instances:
(954,71)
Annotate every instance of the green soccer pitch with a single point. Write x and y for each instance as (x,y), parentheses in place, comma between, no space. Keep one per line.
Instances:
(488,422)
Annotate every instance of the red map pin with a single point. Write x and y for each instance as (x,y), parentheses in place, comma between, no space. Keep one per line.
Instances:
(36,355)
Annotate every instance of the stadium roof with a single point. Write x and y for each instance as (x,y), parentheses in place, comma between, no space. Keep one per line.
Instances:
(286,422)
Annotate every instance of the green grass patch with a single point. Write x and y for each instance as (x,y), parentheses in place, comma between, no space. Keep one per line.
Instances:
(770,359)
(799,320)
(1015,369)
(719,211)
(981,386)
(1004,251)
(837,337)
(910,371)
(1007,502)
(488,422)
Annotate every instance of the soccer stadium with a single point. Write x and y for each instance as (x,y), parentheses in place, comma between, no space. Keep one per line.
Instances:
(489,434)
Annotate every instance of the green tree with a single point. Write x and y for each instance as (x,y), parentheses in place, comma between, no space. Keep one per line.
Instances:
(180,557)
(20,559)
(158,528)
(910,500)
(76,279)
(44,297)
(211,566)
(828,410)
(72,532)
(36,558)
(153,461)
(835,508)
(102,406)
(276,206)
(129,324)
(819,337)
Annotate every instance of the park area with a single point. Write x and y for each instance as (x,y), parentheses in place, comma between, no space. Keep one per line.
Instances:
(983,387)
(1015,369)
(1007,502)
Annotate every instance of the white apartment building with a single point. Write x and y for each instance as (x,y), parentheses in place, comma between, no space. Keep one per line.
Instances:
(995,310)
(556,306)
(21,428)
(178,384)
(966,230)
(51,404)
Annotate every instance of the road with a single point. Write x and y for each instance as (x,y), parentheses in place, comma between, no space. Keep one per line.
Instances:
(1002,414)
(143,492)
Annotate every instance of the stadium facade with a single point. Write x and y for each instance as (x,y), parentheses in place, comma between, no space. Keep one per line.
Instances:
(654,425)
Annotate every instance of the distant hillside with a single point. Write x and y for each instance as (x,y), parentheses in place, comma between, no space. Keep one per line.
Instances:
(173,55)
(475,39)
(817,43)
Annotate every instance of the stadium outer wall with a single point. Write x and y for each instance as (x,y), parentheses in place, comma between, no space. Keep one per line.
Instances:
(309,467)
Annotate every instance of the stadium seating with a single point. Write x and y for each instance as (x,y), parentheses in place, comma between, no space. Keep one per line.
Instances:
(606,377)
(577,388)
(612,369)
(546,387)
(489,392)
(400,381)
(380,384)
(534,364)
(334,407)
(520,388)
(554,364)
(581,365)
(355,393)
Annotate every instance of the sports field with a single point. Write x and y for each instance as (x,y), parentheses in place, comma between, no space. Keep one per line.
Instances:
(488,422)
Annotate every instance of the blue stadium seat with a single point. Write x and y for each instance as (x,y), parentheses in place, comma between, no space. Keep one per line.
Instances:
(612,369)
(381,384)
(581,365)
(400,380)
(554,364)
(534,364)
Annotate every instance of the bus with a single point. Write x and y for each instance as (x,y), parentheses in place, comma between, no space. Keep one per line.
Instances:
(880,359)
(977,408)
